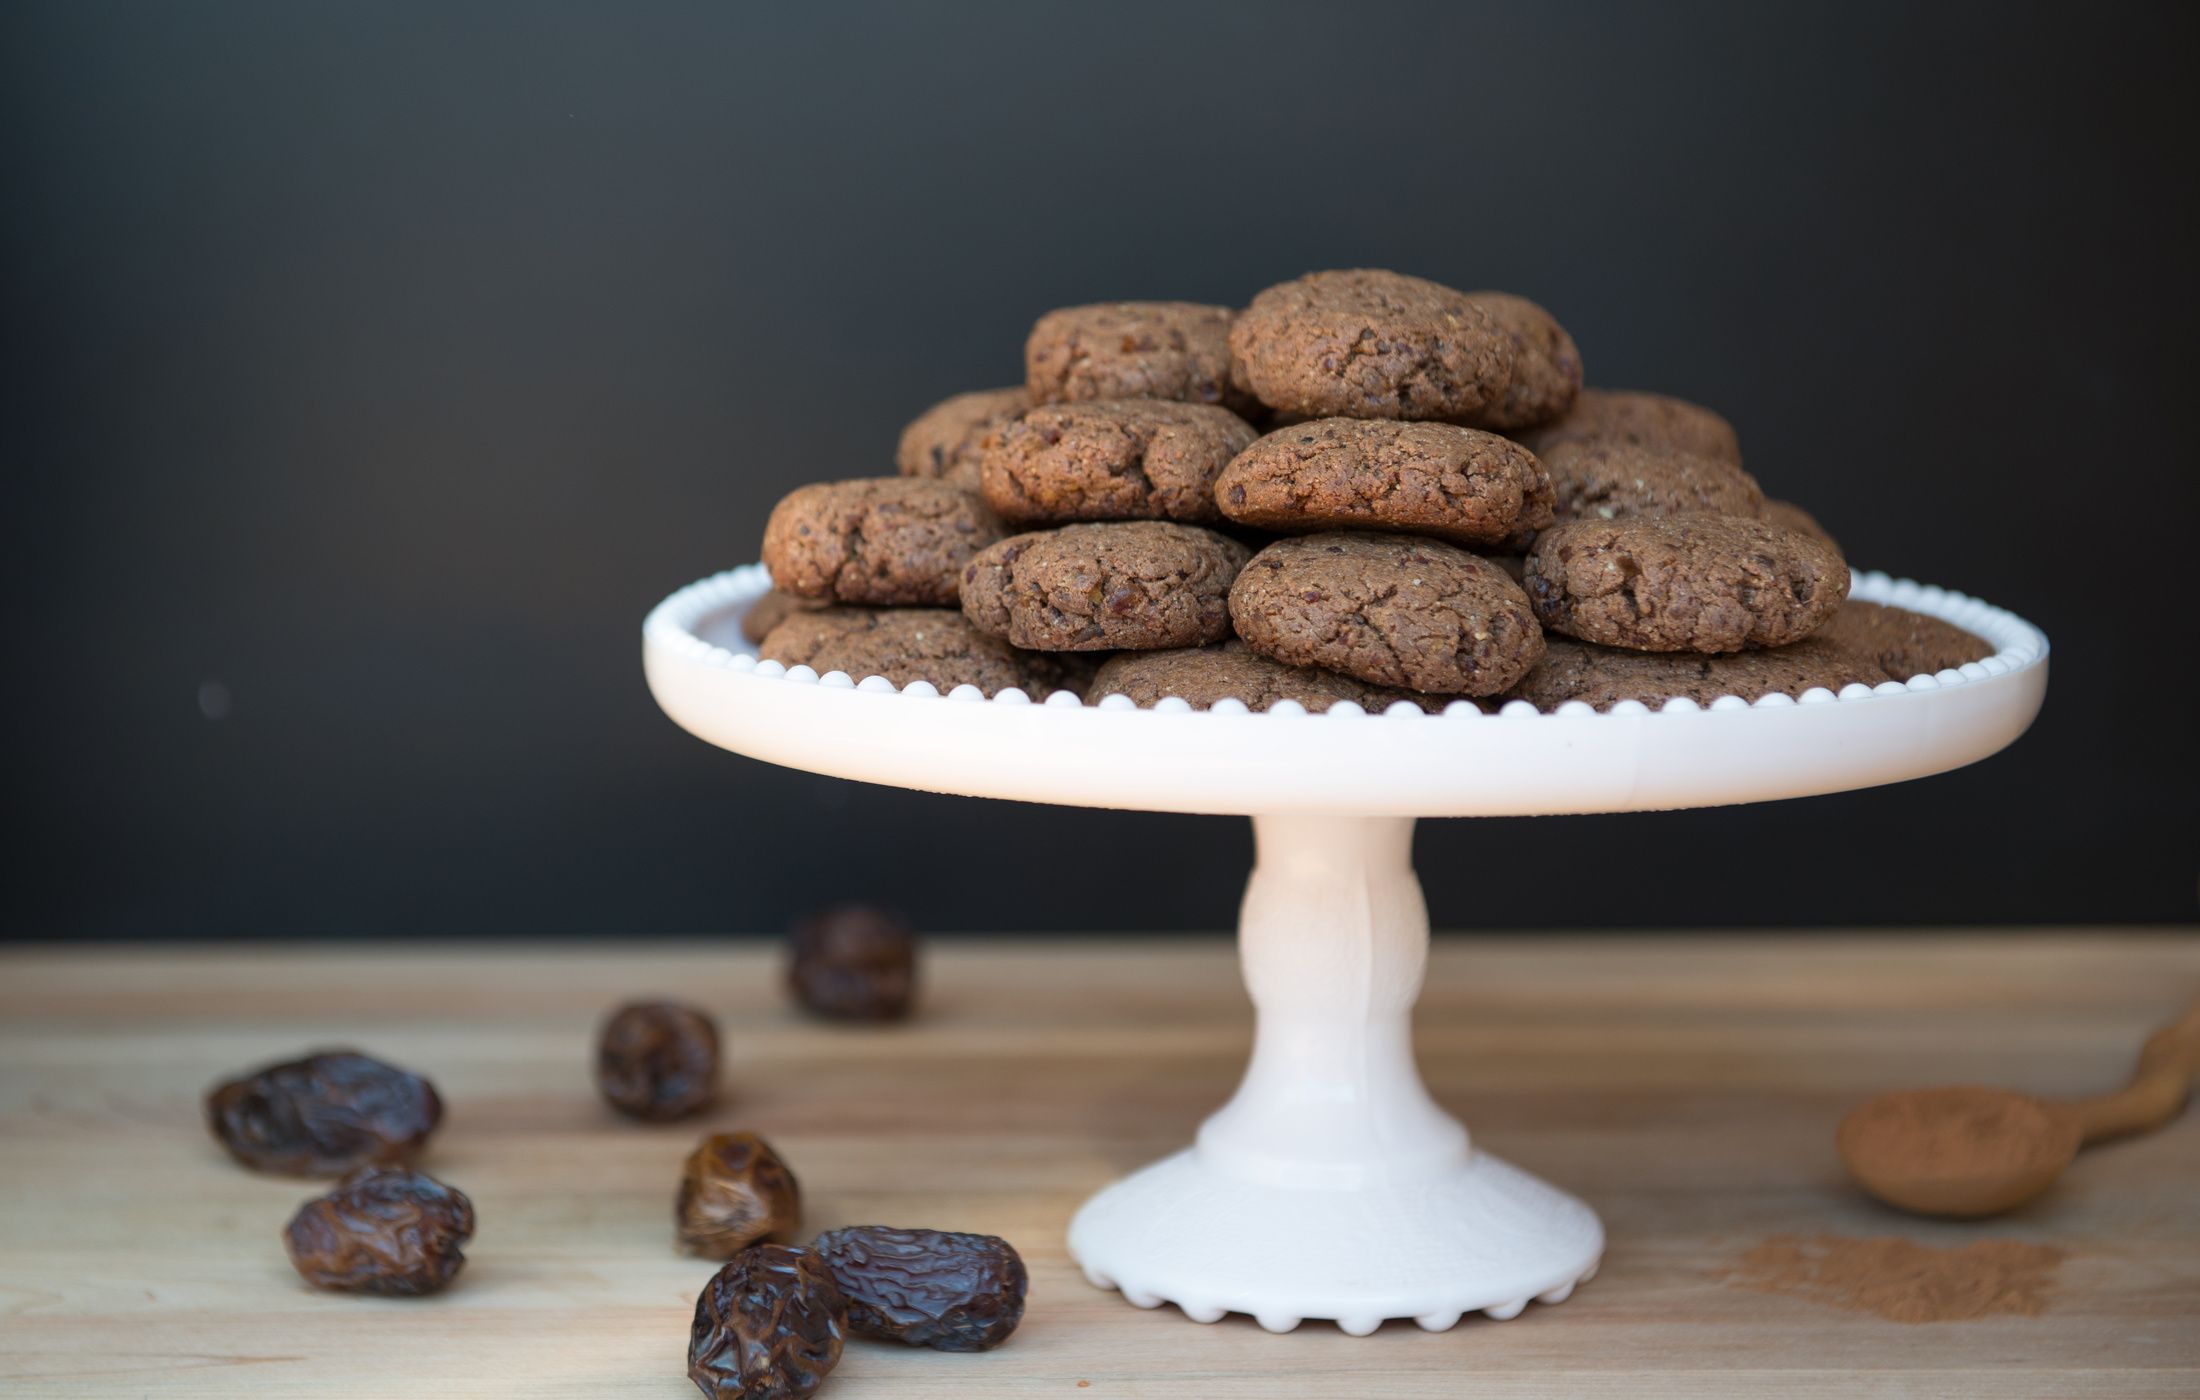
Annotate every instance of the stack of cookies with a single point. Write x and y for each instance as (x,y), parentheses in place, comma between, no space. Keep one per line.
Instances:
(1363,486)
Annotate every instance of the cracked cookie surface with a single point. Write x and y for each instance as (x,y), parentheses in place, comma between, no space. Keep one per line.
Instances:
(1904,643)
(1604,676)
(882,540)
(1546,364)
(1140,584)
(1610,480)
(1706,583)
(1132,350)
(1641,420)
(1365,343)
(1111,459)
(917,644)
(1392,610)
(942,442)
(1438,479)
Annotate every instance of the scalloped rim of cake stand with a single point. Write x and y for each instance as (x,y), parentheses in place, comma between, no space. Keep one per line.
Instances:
(1403,761)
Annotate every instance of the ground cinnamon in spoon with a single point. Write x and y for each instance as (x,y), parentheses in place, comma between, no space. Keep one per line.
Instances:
(1903,1281)
(1960,1132)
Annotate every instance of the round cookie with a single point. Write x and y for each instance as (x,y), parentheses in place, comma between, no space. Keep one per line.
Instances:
(1640,420)
(772,609)
(1200,676)
(1610,480)
(1132,350)
(1370,344)
(1708,583)
(1389,609)
(888,540)
(1790,516)
(1134,585)
(914,644)
(1546,368)
(1904,643)
(1604,676)
(1111,459)
(942,442)
(1437,479)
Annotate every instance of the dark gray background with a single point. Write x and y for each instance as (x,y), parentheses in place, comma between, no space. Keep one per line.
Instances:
(382,364)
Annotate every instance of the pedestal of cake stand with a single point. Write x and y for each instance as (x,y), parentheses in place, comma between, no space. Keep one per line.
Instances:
(1331,1185)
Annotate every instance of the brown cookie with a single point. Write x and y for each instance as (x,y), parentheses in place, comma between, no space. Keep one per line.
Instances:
(1640,420)
(915,644)
(942,442)
(1132,350)
(889,540)
(772,609)
(1111,459)
(1426,478)
(1904,643)
(1546,368)
(1388,609)
(1610,480)
(1136,585)
(1370,344)
(1790,516)
(1200,676)
(1708,583)
(1604,676)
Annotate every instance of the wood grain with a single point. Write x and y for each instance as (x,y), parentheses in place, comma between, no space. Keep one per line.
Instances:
(1686,1087)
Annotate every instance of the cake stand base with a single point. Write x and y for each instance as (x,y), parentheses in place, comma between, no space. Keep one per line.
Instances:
(1332,1186)
(1486,1237)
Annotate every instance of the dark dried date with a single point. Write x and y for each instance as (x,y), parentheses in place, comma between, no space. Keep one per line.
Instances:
(928,1288)
(324,1115)
(382,1230)
(734,1192)
(768,1326)
(658,1060)
(854,963)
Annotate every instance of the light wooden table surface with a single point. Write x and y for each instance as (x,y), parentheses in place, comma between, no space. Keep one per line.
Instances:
(1686,1087)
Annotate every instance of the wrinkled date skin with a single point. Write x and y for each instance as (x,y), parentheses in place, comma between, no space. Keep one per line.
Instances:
(382,1230)
(734,1192)
(324,1115)
(854,963)
(928,1288)
(768,1326)
(658,1060)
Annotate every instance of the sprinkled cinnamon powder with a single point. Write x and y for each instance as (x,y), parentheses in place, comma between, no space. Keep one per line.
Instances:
(1903,1281)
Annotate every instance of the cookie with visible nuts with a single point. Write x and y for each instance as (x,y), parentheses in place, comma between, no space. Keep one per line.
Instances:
(1439,479)
(1364,343)
(1639,420)
(1200,676)
(1135,585)
(1706,583)
(1392,610)
(942,442)
(879,540)
(1546,364)
(906,645)
(1604,676)
(1612,480)
(1132,350)
(1904,643)
(1111,459)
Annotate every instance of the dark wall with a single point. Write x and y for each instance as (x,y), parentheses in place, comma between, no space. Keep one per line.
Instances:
(373,368)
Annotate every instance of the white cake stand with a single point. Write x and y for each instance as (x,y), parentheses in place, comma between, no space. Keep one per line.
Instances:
(1332,1186)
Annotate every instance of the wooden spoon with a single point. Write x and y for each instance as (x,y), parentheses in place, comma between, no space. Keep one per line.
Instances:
(1969,1151)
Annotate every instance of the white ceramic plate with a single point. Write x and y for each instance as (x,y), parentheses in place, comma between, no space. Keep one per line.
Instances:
(1401,763)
